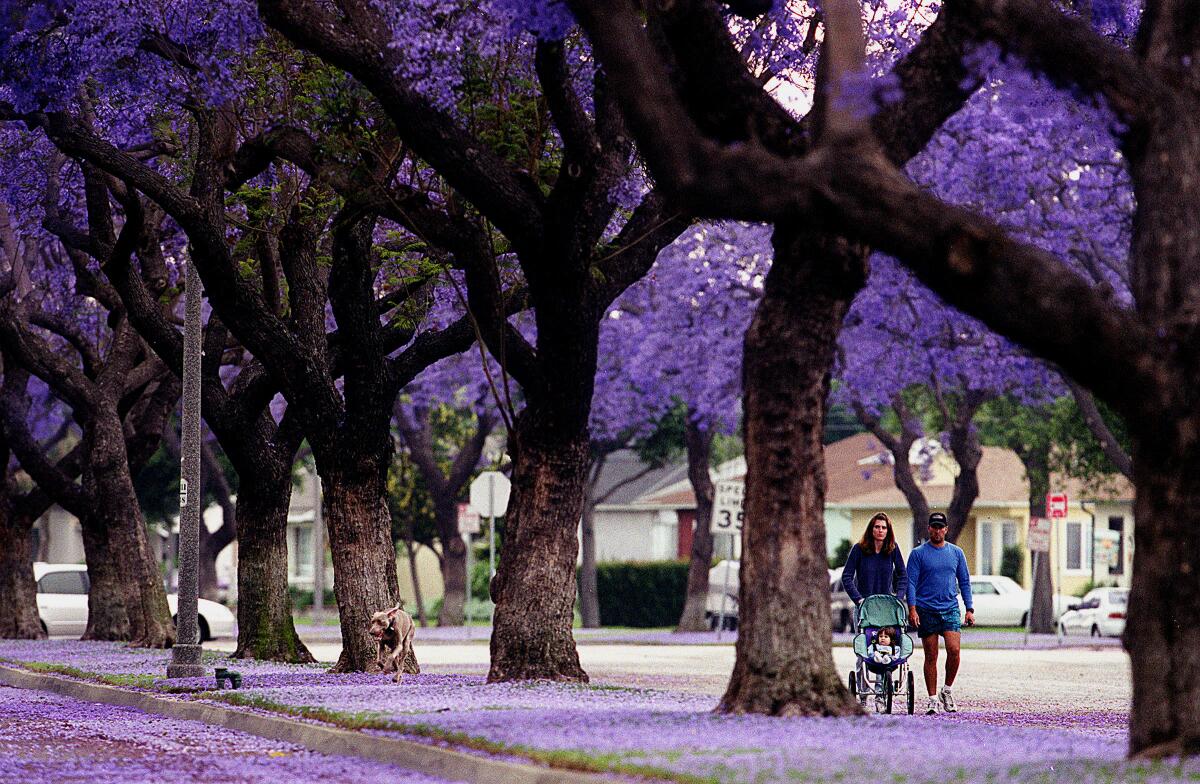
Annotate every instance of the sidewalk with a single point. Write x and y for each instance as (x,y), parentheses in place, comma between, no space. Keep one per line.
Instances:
(649,733)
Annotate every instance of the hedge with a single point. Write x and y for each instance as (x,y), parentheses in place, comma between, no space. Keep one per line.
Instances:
(641,594)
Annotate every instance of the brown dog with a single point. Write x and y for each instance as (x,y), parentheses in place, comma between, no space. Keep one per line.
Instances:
(393,629)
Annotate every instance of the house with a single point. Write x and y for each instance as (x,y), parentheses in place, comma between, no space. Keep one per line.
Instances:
(860,483)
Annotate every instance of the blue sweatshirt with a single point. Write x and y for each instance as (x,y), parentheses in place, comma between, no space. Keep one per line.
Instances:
(866,574)
(932,574)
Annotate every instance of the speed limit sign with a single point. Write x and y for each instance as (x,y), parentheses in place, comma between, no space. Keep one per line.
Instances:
(727,507)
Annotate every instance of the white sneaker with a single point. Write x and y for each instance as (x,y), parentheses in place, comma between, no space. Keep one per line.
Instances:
(932,708)
(947,700)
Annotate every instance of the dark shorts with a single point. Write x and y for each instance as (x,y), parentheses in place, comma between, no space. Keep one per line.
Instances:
(937,622)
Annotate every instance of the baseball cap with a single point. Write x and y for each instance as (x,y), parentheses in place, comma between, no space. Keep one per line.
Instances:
(937,520)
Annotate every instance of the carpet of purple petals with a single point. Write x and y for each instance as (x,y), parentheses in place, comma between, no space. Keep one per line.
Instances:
(48,737)
(670,729)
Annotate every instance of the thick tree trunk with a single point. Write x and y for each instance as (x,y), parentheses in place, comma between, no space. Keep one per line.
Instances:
(1162,627)
(207,574)
(1041,613)
(264,610)
(454,564)
(699,456)
(784,665)
(964,446)
(106,478)
(106,604)
(534,589)
(18,590)
(364,560)
(589,596)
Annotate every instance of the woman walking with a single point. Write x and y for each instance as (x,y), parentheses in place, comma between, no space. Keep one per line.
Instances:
(875,564)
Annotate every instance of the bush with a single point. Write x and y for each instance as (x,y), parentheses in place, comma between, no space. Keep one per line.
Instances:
(480,580)
(302,598)
(838,559)
(641,594)
(1010,562)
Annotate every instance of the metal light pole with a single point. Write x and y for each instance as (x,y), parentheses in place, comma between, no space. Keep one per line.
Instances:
(318,539)
(185,656)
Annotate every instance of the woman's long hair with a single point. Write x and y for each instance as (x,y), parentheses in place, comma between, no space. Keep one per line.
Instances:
(867,543)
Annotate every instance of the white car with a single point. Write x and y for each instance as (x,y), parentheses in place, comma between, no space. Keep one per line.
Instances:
(62,594)
(1100,613)
(999,601)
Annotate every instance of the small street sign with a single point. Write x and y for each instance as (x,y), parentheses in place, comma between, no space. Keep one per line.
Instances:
(727,507)
(1039,535)
(468,520)
(489,494)
(183,492)
(1056,504)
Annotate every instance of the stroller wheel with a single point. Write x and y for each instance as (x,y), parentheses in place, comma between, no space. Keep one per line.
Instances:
(912,694)
(852,684)
(888,689)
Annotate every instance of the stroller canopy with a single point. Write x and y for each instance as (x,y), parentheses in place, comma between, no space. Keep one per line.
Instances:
(882,609)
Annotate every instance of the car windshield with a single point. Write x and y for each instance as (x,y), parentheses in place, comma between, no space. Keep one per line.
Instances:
(1120,598)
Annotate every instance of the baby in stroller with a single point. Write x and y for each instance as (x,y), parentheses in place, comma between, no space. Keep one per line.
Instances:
(882,650)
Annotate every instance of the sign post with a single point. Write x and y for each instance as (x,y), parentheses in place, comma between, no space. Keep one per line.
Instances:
(727,515)
(1056,508)
(489,498)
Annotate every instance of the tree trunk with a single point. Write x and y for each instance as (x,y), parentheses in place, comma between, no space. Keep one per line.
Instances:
(106,479)
(207,573)
(18,590)
(454,564)
(106,604)
(699,456)
(534,589)
(1041,613)
(589,597)
(1162,627)
(784,665)
(264,609)
(964,446)
(364,559)
(416,581)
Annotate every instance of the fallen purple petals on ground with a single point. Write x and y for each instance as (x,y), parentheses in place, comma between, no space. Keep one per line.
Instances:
(51,738)
(673,730)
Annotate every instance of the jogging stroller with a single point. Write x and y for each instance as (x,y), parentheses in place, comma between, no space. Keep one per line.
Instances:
(882,670)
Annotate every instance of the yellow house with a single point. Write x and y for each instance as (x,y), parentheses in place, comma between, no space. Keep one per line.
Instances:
(861,483)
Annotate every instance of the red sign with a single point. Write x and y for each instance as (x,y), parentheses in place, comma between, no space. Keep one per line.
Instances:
(468,520)
(1056,504)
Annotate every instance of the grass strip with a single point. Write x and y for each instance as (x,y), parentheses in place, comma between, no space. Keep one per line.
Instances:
(562,759)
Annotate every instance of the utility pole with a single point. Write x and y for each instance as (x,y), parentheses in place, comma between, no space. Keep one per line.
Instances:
(185,656)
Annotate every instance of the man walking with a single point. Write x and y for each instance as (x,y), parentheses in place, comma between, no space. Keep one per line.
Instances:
(934,569)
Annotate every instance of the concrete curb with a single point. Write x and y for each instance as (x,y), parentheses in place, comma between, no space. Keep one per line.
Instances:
(431,760)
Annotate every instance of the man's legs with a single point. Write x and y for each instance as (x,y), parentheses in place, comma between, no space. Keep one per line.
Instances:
(953,642)
(930,644)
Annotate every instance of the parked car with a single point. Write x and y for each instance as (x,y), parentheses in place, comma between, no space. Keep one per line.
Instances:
(841,606)
(723,578)
(1100,613)
(999,601)
(62,594)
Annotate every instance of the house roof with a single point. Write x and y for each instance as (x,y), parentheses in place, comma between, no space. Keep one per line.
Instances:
(856,478)
(1111,487)
(625,478)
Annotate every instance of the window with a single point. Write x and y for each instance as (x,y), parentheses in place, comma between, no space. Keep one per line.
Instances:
(63,582)
(1118,524)
(982,589)
(1074,545)
(1008,535)
(301,551)
(985,548)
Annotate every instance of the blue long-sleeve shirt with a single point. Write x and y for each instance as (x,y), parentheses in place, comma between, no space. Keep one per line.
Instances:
(866,574)
(936,575)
